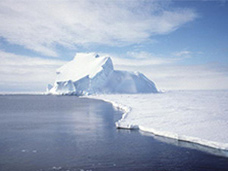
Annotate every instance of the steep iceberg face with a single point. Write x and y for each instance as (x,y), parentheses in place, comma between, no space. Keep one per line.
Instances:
(89,73)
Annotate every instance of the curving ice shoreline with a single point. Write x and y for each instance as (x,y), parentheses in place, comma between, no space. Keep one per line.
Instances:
(190,126)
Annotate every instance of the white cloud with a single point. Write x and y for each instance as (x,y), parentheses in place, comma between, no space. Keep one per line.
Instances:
(183,53)
(140,55)
(143,58)
(27,73)
(139,62)
(41,25)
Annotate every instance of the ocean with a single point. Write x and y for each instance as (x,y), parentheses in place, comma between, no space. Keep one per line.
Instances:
(67,133)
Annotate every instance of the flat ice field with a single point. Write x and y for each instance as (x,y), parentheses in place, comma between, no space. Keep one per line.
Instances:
(195,116)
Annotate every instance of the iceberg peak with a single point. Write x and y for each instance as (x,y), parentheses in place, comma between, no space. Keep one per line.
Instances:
(82,65)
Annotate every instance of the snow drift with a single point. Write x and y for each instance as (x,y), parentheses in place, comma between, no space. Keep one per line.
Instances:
(89,73)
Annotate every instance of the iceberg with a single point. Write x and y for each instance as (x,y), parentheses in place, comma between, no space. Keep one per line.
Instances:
(90,73)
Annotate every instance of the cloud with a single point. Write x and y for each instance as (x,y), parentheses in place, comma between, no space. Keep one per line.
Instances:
(183,53)
(138,62)
(26,73)
(143,58)
(43,25)
(139,55)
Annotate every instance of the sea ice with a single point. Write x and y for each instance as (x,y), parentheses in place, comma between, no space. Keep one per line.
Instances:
(195,116)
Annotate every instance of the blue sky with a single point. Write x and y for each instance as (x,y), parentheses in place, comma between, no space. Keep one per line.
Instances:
(178,44)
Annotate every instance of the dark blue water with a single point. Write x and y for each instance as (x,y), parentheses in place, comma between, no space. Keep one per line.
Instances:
(42,133)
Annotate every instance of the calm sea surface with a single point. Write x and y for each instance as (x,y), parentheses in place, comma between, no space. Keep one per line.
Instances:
(42,133)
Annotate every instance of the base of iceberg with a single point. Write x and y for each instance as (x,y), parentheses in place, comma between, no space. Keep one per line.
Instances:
(193,116)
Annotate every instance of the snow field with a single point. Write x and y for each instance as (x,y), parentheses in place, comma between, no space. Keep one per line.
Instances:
(195,116)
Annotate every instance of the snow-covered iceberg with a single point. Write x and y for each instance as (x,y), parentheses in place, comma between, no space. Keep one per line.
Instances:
(90,73)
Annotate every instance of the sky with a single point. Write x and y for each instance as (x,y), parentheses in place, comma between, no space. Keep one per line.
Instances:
(180,45)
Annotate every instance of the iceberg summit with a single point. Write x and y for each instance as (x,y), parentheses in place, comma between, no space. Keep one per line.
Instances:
(90,73)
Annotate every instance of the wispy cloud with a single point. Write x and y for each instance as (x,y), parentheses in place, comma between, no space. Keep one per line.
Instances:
(143,58)
(184,53)
(24,72)
(41,25)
